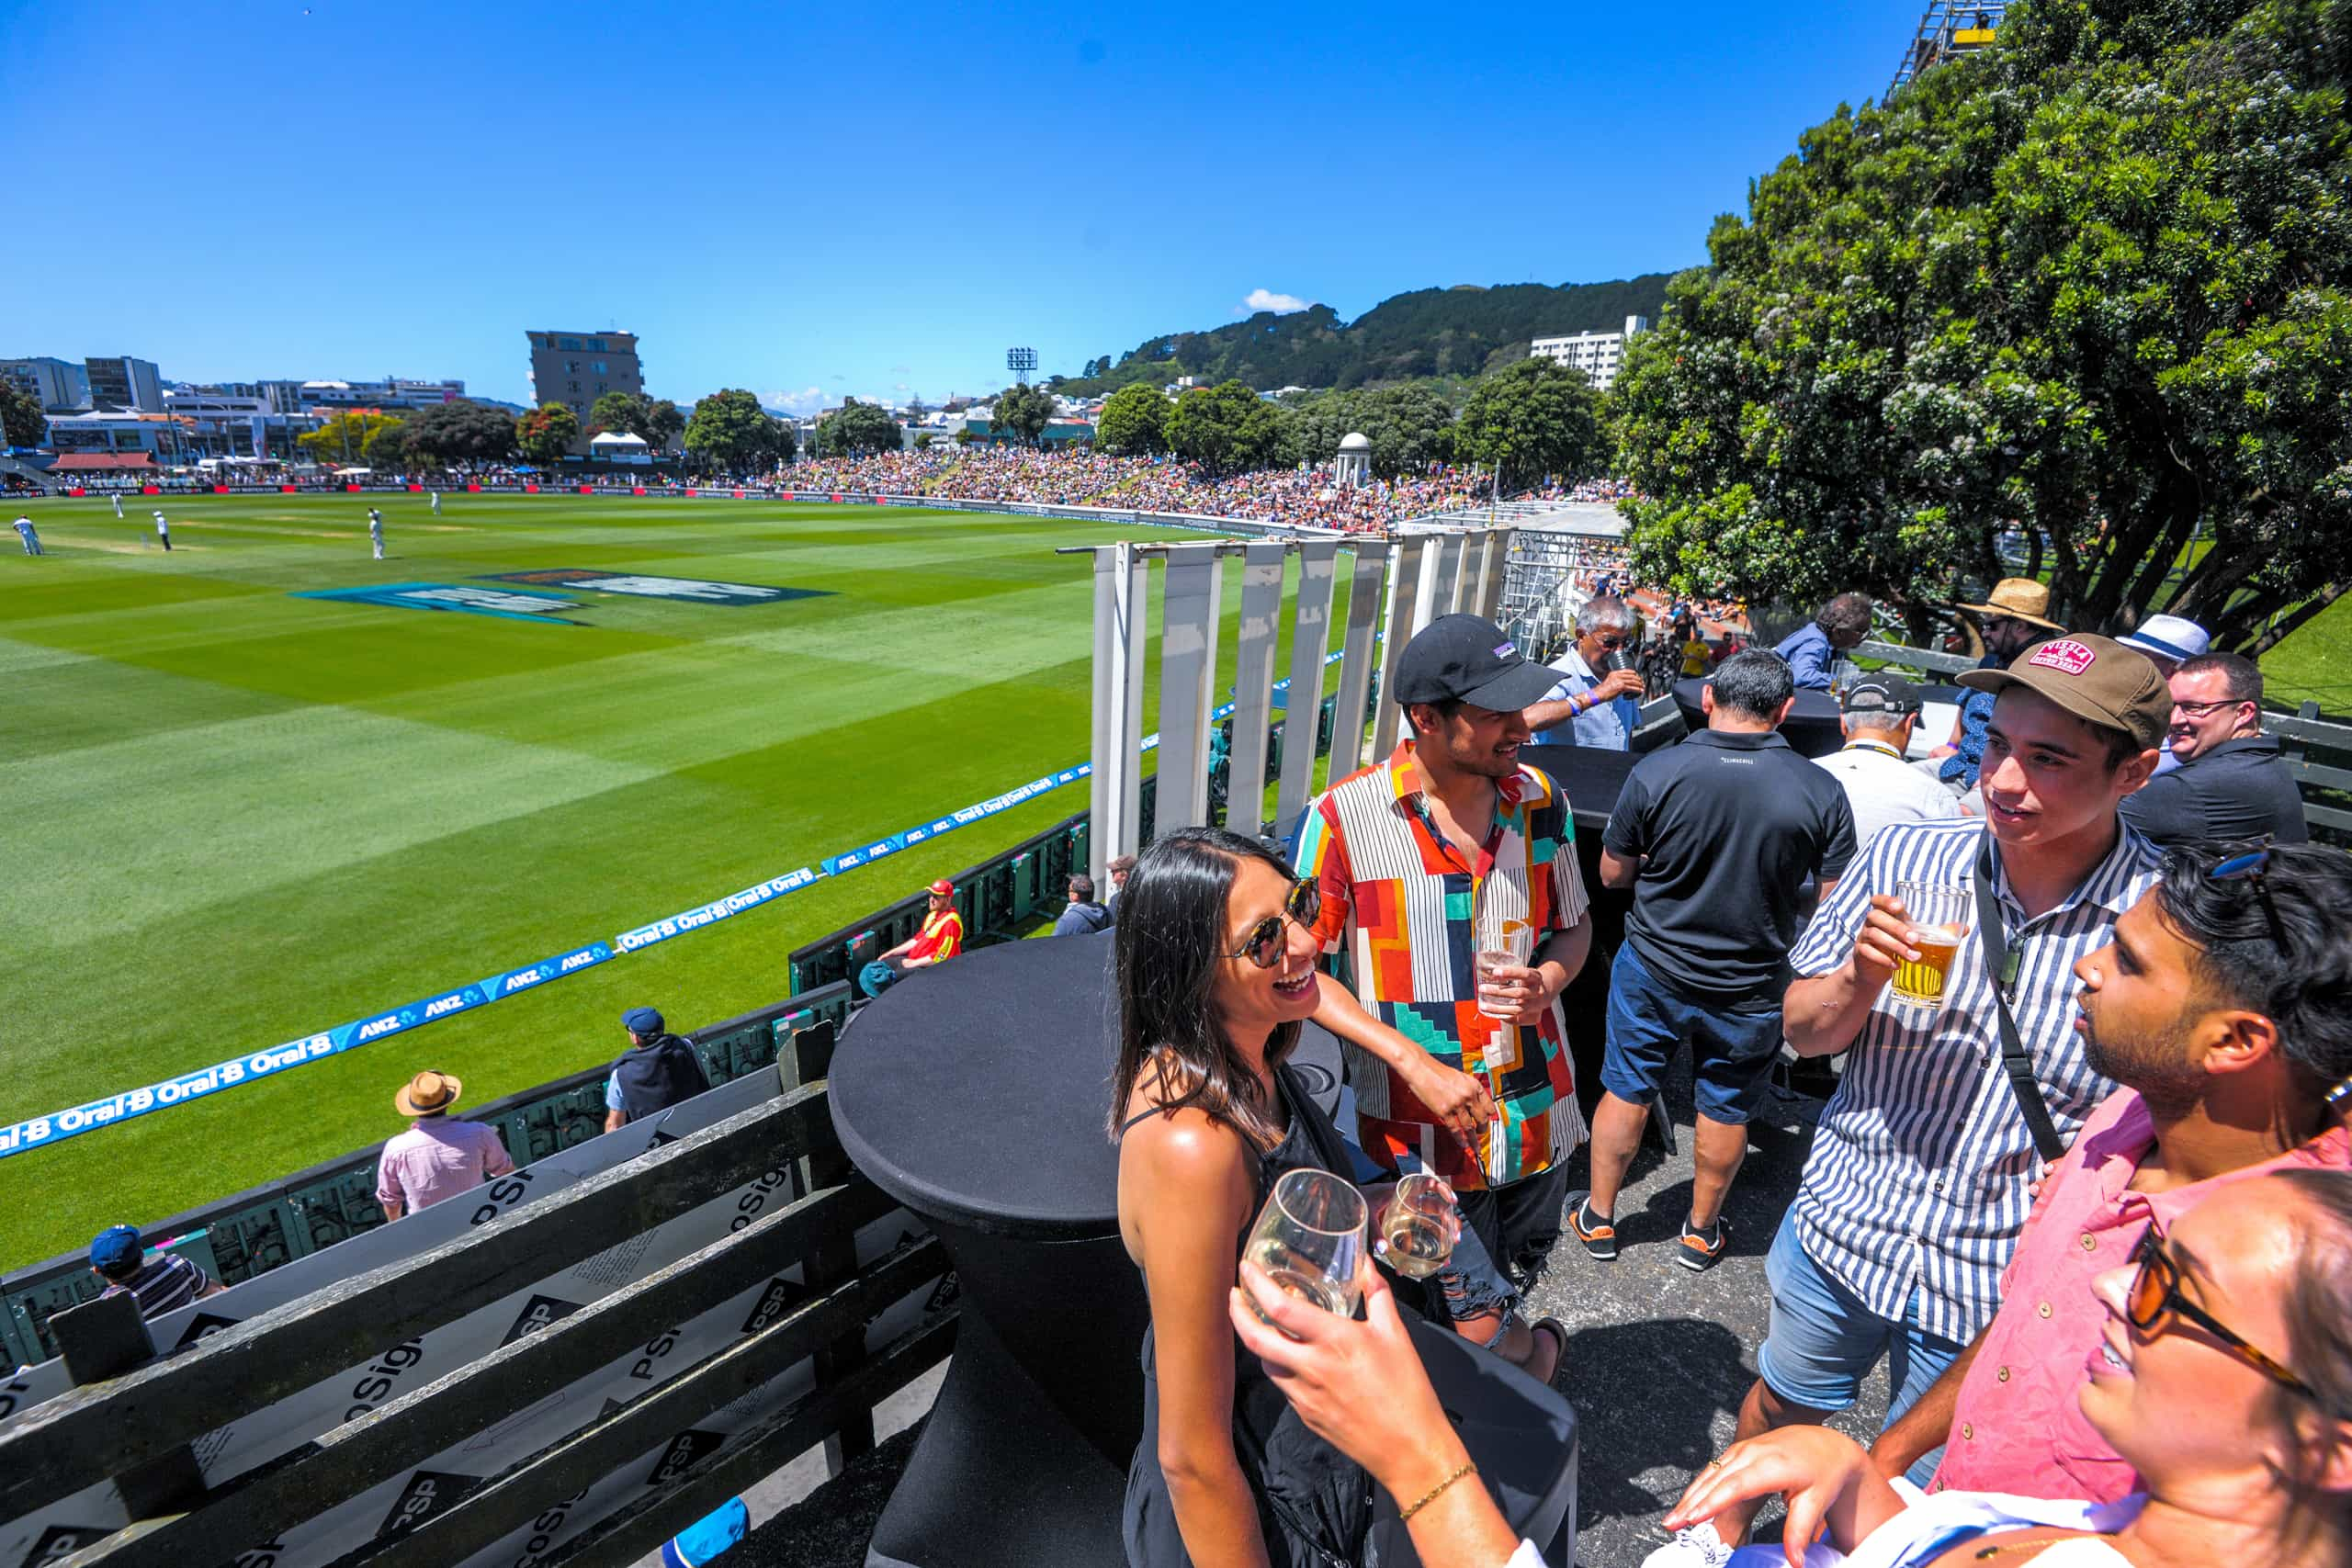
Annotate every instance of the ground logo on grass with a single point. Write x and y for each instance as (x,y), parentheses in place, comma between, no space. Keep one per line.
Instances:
(508,603)
(693,590)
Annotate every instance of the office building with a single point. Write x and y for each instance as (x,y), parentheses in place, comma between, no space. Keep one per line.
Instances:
(59,386)
(1598,355)
(576,368)
(118,381)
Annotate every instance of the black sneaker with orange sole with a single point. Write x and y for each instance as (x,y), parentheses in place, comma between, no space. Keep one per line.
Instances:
(1699,1253)
(1599,1236)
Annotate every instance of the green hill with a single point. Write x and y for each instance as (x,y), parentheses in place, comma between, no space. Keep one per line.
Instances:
(1462,331)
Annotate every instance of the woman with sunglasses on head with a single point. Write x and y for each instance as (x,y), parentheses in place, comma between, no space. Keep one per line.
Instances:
(1216,972)
(2224,1378)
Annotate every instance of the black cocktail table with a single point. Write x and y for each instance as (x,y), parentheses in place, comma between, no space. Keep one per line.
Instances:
(975,1093)
(1812,726)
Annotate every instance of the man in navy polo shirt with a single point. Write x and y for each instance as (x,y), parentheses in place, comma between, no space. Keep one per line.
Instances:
(1717,837)
(656,1072)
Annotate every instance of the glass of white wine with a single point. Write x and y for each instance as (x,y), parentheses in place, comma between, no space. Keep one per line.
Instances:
(1418,1226)
(1309,1238)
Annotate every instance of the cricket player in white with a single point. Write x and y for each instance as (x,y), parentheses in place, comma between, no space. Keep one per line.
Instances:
(163,531)
(117,497)
(25,532)
(436,503)
(376,531)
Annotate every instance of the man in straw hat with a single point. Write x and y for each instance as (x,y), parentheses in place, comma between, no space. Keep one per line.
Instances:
(436,1157)
(2014,616)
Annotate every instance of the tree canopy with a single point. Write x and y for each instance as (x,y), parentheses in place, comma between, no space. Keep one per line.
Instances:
(1134,421)
(461,432)
(2090,284)
(1530,419)
(855,428)
(344,437)
(1409,427)
(22,421)
(1021,412)
(658,423)
(547,433)
(730,431)
(388,450)
(1229,427)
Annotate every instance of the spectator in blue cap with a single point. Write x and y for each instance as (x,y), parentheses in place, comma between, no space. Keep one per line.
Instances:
(156,1284)
(656,1072)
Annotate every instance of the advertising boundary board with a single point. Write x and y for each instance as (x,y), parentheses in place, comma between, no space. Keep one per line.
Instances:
(406,1500)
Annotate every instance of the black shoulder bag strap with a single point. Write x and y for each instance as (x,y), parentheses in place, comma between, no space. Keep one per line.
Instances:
(2001,966)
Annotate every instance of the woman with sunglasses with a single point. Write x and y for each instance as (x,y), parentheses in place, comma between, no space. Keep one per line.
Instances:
(1216,972)
(2224,1378)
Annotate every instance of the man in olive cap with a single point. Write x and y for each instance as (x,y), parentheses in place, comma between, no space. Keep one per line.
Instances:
(1920,1174)
(2014,616)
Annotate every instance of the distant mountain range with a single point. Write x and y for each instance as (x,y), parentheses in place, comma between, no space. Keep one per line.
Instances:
(1462,331)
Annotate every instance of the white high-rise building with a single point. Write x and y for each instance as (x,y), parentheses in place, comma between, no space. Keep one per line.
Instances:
(1598,355)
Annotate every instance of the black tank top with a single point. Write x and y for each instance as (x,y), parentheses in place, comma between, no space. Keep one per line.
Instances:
(1314,1503)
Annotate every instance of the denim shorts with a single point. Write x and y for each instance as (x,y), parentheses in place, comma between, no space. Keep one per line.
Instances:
(1731,1052)
(1824,1340)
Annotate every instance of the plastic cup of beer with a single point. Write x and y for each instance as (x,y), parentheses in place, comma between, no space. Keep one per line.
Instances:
(1937,914)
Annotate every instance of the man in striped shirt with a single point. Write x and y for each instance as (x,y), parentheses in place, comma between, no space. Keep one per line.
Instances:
(1920,1174)
(158,1283)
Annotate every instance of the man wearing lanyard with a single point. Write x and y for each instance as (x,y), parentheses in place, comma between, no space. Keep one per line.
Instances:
(1447,848)
(1920,1174)
(1880,712)
(1583,706)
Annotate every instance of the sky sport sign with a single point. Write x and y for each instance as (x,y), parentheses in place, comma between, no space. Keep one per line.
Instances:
(638,585)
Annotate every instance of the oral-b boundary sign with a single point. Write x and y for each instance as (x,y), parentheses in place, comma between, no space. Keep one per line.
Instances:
(716,910)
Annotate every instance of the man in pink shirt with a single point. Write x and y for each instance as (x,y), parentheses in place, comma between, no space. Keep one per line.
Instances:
(436,1157)
(2221,1008)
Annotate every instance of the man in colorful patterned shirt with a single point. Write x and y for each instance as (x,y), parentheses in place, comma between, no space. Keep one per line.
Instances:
(1447,848)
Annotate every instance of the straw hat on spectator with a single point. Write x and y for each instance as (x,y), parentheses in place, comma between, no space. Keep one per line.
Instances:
(2020,599)
(427,1094)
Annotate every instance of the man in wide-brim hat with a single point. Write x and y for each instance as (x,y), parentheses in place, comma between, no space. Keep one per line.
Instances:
(2014,616)
(436,1157)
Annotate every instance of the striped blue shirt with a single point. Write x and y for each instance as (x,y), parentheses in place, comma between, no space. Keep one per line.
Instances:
(1919,1174)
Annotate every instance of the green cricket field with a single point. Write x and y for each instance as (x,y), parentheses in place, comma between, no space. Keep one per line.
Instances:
(237,813)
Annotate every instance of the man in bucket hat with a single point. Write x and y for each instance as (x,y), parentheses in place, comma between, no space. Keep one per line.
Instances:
(2014,616)
(436,1157)
(939,939)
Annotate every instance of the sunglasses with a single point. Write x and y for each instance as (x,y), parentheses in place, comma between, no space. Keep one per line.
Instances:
(1608,641)
(2154,1300)
(2249,864)
(1267,939)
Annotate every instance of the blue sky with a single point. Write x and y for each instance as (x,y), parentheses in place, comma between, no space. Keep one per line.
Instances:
(854,199)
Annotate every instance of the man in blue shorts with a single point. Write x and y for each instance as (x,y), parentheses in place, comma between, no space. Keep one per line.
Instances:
(1718,838)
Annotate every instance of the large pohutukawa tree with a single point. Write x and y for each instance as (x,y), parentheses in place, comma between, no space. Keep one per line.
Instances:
(2090,284)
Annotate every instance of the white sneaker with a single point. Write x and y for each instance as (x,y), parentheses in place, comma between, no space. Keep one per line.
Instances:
(1698,1546)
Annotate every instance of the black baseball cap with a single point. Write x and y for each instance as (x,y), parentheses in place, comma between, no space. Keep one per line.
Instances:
(1468,659)
(1882,693)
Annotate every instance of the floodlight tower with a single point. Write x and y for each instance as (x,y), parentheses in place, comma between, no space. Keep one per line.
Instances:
(1022,362)
(1948,29)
